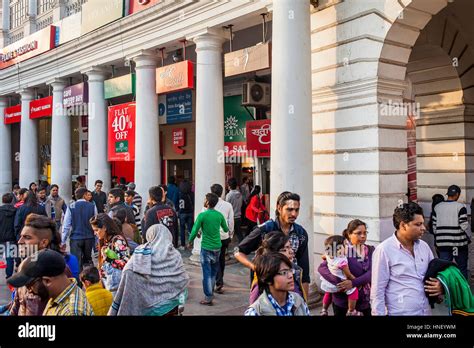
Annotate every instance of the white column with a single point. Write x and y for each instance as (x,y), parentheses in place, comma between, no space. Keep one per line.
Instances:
(209,115)
(6,15)
(291,147)
(29,155)
(147,133)
(32,8)
(5,151)
(61,162)
(98,166)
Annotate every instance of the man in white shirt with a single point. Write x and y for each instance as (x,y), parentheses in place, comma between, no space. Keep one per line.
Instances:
(399,265)
(226,209)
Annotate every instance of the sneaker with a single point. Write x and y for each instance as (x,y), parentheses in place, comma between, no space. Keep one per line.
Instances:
(353,313)
(324,312)
(181,248)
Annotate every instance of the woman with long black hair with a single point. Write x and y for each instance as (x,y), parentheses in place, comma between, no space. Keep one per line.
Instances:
(31,205)
(114,250)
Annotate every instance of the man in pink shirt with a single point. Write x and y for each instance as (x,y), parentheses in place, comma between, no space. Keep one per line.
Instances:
(399,265)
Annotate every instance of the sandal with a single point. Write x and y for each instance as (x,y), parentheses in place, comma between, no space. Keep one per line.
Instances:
(206,303)
(354,313)
(324,312)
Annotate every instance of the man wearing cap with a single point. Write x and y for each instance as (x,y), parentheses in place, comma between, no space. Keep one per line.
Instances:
(450,228)
(43,273)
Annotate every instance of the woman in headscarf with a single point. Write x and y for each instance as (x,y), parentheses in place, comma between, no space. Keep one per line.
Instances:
(154,281)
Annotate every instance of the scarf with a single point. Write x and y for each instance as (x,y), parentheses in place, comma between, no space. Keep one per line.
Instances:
(457,291)
(153,276)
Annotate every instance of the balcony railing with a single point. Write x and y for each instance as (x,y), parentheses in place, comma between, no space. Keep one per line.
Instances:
(74,6)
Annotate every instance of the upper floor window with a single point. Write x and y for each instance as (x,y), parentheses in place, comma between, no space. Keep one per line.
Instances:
(18,12)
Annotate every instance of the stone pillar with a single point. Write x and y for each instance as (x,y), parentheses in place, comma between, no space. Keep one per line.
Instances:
(98,164)
(5,23)
(29,155)
(61,161)
(147,133)
(209,113)
(5,151)
(30,23)
(291,147)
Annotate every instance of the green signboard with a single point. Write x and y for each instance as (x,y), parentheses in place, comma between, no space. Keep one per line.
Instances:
(235,118)
(119,86)
(121,146)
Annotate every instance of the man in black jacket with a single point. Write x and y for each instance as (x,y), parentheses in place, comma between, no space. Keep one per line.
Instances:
(7,229)
(160,213)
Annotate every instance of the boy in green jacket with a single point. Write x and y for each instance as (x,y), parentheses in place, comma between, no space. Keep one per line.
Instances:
(209,222)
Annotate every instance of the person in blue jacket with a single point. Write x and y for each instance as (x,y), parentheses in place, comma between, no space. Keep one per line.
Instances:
(172,192)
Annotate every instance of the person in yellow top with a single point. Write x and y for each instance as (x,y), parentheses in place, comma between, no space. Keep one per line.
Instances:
(99,298)
(44,271)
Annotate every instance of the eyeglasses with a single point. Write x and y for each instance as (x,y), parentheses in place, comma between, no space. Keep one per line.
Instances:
(286,272)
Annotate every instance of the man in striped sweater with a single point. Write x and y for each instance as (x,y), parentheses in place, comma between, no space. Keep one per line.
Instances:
(450,228)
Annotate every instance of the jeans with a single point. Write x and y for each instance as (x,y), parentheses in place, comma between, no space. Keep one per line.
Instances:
(220,272)
(238,230)
(82,249)
(185,219)
(9,260)
(210,266)
(460,255)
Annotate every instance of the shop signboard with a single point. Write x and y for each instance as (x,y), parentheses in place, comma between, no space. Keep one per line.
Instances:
(96,14)
(179,107)
(259,137)
(28,47)
(119,86)
(235,118)
(175,77)
(75,95)
(12,114)
(162,109)
(40,108)
(68,28)
(139,5)
(179,140)
(121,132)
(248,59)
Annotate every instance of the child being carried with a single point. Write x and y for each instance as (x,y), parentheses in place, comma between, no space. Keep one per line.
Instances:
(335,256)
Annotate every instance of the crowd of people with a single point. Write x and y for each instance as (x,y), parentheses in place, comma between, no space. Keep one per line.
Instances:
(115,254)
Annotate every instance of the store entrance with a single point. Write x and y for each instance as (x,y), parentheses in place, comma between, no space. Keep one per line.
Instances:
(181,169)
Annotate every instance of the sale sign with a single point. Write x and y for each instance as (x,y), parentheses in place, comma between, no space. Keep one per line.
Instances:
(259,137)
(179,140)
(140,5)
(41,107)
(12,114)
(121,132)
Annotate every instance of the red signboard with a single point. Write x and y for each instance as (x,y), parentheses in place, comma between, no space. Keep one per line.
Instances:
(32,45)
(179,140)
(175,77)
(139,5)
(12,114)
(121,132)
(41,107)
(259,137)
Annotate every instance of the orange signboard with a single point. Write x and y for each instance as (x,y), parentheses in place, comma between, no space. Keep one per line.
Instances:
(175,77)
(139,5)
(32,45)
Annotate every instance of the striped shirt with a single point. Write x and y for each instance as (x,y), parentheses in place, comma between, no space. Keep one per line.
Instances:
(450,224)
(71,302)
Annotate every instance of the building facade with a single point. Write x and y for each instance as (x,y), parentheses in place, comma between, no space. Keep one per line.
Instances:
(370,99)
